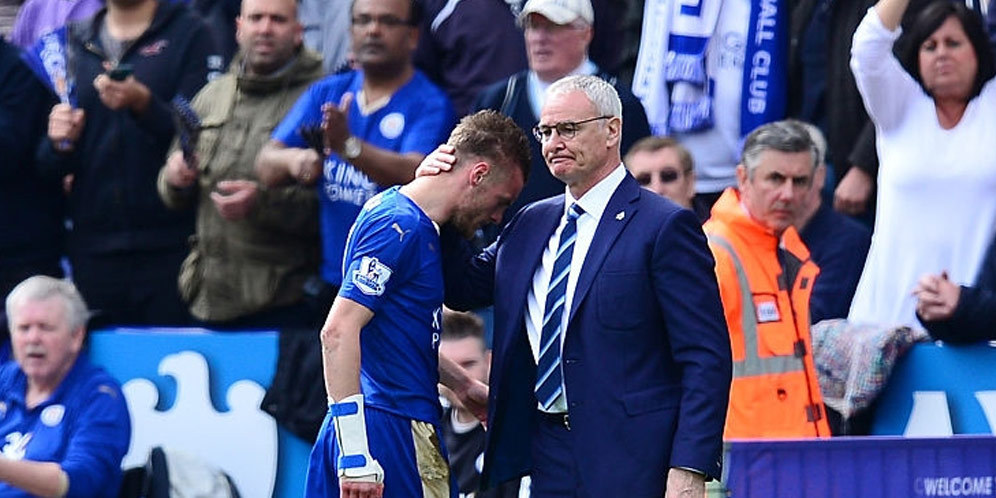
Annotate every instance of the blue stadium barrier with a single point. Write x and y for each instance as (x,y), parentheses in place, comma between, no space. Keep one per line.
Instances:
(198,391)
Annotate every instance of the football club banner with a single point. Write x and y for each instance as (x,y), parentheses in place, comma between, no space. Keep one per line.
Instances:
(49,60)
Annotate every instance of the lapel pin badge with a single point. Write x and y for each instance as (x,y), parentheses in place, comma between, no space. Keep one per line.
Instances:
(620,215)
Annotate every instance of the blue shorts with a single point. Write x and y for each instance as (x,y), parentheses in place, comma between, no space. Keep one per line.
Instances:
(410,452)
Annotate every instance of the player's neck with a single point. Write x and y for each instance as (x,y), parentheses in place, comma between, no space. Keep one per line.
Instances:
(431,197)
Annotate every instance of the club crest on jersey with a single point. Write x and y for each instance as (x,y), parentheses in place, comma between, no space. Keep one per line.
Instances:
(371,276)
(52,415)
(15,446)
(392,125)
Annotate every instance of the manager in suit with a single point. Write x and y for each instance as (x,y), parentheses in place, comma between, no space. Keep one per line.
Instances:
(611,366)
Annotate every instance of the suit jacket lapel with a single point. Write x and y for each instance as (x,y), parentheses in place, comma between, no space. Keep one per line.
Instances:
(620,209)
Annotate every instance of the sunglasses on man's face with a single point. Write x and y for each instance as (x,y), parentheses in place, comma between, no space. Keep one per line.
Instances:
(388,21)
(666,176)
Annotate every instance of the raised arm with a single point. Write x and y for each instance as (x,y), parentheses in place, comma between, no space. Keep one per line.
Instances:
(886,88)
(383,166)
(891,12)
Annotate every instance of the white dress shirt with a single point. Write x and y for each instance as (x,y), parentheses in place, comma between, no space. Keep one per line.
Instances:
(593,202)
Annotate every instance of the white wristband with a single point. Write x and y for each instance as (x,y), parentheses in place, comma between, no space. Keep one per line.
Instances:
(355,462)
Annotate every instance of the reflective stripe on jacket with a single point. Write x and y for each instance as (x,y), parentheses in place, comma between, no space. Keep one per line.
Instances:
(765,290)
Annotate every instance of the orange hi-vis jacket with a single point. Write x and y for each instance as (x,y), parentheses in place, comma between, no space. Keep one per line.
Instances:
(775,391)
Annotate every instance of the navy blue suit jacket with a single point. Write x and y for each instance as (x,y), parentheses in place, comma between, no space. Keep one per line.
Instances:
(646,352)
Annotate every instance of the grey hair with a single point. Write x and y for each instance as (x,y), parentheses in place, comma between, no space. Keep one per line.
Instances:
(783,136)
(40,288)
(599,92)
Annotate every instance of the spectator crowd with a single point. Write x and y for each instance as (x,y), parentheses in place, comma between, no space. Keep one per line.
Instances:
(202,163)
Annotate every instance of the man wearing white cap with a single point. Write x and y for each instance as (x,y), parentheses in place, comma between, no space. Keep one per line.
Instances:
(557,33)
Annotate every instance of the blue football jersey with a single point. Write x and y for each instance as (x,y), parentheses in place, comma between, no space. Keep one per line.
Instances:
(83,426)
(392,266)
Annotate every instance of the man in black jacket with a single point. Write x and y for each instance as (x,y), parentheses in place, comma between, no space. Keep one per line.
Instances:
(128,61)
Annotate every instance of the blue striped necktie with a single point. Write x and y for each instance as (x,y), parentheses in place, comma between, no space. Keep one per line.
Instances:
(549,378)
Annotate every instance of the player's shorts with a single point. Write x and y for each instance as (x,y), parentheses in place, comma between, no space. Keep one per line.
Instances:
(410,452)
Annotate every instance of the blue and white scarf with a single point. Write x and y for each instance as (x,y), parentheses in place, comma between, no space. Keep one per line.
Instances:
(692,26)
(764,93)
(672,77)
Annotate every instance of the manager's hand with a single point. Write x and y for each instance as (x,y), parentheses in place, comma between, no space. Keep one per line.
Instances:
(683,483)
(475,400)
(439,160)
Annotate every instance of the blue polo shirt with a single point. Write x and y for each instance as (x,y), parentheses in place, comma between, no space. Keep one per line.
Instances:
(417,118)
(83,426)
(393,267)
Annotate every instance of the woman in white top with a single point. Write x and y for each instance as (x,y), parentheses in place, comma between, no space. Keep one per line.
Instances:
(936,125)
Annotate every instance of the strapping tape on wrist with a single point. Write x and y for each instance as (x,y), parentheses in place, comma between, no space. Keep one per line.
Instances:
(355,462)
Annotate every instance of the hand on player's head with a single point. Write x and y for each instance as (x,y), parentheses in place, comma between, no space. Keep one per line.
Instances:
(439,160)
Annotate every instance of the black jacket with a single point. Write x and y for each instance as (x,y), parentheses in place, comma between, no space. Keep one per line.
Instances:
(476,44)
(113,203)
(31,209)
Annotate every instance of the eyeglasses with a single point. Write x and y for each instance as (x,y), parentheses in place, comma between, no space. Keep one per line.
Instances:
(388,21)
(566,129)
